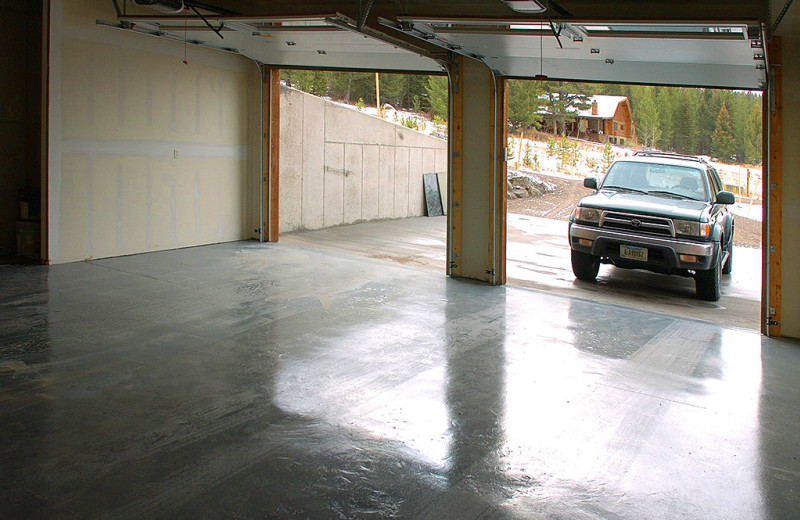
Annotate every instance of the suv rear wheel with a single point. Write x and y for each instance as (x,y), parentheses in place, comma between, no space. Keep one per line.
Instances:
(707,282)
(585,266)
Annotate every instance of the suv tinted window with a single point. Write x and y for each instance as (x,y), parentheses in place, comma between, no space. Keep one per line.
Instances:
(684,181)
(716,181)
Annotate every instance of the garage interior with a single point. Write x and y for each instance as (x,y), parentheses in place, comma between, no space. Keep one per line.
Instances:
(174,359)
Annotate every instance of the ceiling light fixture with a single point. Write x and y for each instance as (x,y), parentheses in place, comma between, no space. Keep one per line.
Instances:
(525,6)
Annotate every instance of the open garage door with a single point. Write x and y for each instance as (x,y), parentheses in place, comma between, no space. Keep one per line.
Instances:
(713,45)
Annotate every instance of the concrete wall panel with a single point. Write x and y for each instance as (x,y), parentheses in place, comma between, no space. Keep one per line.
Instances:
(313,162)
(386,182)
(334,184)
(345,125)
(440,162)
(401,174)
(374,179)
(291,161)
(414,139)
(353,182)
(416,190)
(371,184)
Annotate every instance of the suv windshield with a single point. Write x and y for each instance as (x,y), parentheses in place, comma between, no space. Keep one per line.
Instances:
(658,179)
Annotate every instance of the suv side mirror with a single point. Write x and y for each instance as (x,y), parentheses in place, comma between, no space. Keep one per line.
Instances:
(591,182)
(726,197)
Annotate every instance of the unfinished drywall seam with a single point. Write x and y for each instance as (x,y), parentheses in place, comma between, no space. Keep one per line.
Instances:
(54,156)
(121,97)
(173,211)
(196,193)
(149,100)
(120,205)
(153,149)
(148,203)
(89,207)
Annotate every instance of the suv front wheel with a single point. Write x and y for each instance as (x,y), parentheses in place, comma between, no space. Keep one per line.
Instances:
(707,282)
(585,266)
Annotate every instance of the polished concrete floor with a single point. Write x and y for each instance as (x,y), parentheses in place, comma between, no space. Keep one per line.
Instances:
(539,258)
(270,381)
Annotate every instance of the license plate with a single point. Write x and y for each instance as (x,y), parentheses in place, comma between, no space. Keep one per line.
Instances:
(633,253)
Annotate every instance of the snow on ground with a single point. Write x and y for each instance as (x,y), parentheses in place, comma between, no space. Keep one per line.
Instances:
(753,211)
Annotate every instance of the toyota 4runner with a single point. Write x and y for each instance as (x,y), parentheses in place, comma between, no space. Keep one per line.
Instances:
(666,213)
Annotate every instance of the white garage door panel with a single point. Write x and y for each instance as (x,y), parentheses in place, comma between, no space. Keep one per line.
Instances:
(692,55)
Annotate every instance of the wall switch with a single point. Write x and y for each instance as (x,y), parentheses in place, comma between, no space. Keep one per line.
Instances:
(176,154)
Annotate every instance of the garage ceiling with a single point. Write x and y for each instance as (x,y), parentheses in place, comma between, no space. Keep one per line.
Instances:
(414,36)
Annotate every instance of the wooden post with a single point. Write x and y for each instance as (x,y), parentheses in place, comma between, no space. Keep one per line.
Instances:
(477,220)
(270,154)
(748,182)
(456,142)
(773,185)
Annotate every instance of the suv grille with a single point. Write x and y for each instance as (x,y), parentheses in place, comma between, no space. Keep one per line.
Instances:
(639,223)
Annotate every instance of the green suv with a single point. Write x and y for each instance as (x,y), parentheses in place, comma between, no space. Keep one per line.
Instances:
(666,213)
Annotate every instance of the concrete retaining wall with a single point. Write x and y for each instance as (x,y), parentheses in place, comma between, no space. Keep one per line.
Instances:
(340,166)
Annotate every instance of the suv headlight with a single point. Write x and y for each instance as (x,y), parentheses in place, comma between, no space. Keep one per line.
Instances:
(692,228)
(586,214)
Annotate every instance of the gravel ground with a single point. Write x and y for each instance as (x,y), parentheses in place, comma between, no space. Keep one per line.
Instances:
(558,204)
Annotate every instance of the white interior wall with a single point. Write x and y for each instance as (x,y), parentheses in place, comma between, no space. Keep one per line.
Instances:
(145,153)
(789,30)
(340,166)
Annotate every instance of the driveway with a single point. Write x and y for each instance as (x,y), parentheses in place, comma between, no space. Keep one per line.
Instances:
(538,258)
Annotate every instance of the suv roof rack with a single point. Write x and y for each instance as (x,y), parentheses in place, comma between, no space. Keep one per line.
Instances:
(670,155)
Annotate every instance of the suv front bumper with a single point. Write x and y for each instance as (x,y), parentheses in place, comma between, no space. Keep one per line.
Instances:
(664,253)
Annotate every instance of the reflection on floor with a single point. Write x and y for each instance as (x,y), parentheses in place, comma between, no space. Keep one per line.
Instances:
(539,258)
(269,381)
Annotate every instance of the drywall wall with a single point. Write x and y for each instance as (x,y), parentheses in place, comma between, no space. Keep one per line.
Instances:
(789,30)
(145,152)
(340,166)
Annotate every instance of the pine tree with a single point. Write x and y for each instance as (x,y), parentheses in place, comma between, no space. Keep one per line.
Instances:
(312,81)
(723,140)
(394,89)
(665,104)
(524,103)
(752,137)
(686,114)
(438,96)
(562,101)
(647,118)
(710,104)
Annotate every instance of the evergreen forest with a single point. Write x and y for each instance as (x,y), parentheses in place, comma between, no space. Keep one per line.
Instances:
(723,124)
